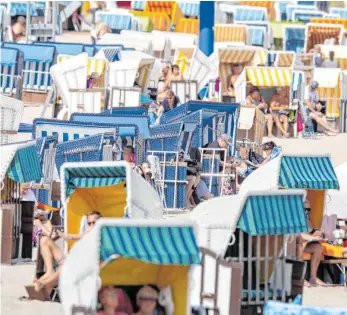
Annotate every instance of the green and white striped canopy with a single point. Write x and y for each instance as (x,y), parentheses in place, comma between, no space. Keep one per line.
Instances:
(307,173)
(88,177)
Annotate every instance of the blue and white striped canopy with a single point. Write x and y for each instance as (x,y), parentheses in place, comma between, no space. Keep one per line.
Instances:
(308,173)
(164,245)
(339,11)
(250,14)
(256,35)
(25,166)
(138,5)
(273,215)
(116,21)
(190,9)
(88,177)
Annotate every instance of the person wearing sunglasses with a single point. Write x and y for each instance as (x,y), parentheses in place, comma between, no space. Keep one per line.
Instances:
(147,300)
(51,252)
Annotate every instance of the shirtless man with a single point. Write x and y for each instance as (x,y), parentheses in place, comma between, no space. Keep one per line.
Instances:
(236,70)
(279,104)
(51,252)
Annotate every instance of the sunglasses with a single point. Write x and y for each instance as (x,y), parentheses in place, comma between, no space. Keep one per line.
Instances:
(147,299)
(91,223)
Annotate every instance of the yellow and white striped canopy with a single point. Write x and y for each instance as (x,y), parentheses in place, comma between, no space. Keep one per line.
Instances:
(95,65)
(236,55)
(183,57)
(285,59)
(230,33)
(269,77)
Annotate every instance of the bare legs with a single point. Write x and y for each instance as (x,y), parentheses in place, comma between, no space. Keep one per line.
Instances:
(270,121)
(316,251)
(50,252)
(282,125)
(322,121)
(192,181)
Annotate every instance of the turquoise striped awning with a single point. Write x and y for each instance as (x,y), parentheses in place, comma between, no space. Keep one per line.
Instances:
(164,245)
(88,177)
(25,166)
(308,173)
(273,215)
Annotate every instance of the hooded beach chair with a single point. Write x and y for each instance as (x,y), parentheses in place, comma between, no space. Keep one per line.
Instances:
(117,21)
(248,233)
(161,45)
(189,26)
(294,38)
(110,187)
(10,72)
(179,253)
(329,89)
(11,112)
(194,65)
(317,33)
(35,70)
(306,15)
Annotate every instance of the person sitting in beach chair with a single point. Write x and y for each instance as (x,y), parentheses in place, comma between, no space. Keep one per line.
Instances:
(236,70)
(176,75)
(147,301)
(254,98)
(314,108)
(51,252)
(279,106)
(114,301)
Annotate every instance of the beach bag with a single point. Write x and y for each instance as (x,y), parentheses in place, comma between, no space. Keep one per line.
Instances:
(300,125)
(227,186)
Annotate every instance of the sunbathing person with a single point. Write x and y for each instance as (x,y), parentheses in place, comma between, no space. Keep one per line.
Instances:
(147,300)
(236,70)
(18,29)
(255,98)
(164,82)
(51,252)
(279,105)
(175,74)
(111,302)
(314,108)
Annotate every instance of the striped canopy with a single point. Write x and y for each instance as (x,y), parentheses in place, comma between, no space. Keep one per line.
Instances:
(273,215)
(20,162)
(164,245)
(270,77)
(88,177)
(308,173)
(236,55)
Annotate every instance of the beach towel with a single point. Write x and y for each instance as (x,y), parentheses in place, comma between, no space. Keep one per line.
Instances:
(246,118)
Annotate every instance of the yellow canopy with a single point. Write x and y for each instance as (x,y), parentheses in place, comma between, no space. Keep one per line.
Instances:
(269,77)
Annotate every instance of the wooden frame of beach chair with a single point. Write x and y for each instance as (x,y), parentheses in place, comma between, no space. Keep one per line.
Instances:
(236,281)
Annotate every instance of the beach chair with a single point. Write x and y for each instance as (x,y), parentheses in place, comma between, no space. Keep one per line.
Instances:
(70,49)
(232,235)
(35,70)
(124,97)
(142,44)
(161,45)
(317,33)
(10,72)
(225,122)
(105,182)
(19,164)
(245,56)
(329,89)
(144,64)
(339,11)
(305,15)
(185,90)
(117,21)
(294,38)
(177,39)
(290,8)
(180,263)
(11,115)
(188,26)
(194,65)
